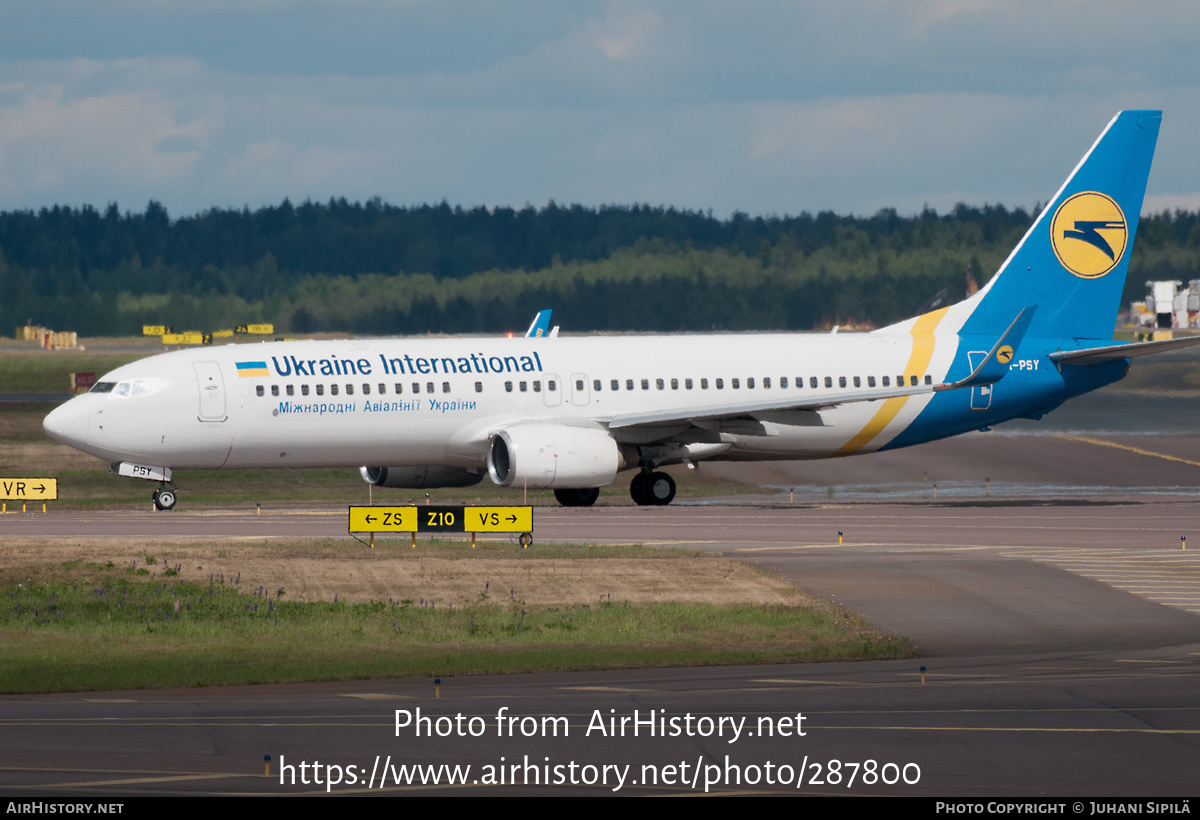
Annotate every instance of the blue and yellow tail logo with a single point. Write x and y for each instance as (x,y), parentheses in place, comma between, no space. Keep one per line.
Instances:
(1089,234)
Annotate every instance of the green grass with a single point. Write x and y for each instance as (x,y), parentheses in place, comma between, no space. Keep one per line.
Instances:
(107,627)
(46,371)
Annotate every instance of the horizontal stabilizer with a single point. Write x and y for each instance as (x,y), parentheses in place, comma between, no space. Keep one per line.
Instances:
(1110,353)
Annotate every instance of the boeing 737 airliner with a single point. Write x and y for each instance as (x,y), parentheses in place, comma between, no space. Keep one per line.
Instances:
(572,413)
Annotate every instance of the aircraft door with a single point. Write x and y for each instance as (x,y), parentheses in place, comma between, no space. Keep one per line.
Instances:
(579,390)
(981,396)
(212,391)
(553,391)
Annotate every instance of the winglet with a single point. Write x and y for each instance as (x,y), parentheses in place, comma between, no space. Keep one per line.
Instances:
(996,363)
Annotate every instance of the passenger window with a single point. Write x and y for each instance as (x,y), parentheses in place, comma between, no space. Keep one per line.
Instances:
(812,381)
(887,382)
(704,384)
(674,384)
(333,390)
(596,385)
(828,381)
(579,385)
(291,390)
(304,390)
(912,381)
(537,387)
(349,390)
(899,381)
(629,384)
(445,387)
(841,381)
(616,385)
(857,381)
(736,383)
(416,387)
(687,383)
(508,387)
(259,390)
(428,387)
(478,387)
(870,381)
(366,389)
(399,388)
(524,386)
(929,380)
(383,389)
(658,383)
(750,383)
(720,384)
(274,390)
(783,382)
(551,385)
(320,390)
(767,383)
(645,384)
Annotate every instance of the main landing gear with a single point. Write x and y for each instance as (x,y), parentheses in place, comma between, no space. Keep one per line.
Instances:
(164,497)
(652,489)
(583,497)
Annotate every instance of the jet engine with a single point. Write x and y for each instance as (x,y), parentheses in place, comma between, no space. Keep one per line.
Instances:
(419,478)
(555,455)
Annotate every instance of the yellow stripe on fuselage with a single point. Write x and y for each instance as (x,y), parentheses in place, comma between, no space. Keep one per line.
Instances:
(918,362)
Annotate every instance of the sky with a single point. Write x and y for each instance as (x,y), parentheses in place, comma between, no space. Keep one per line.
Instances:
(760,107)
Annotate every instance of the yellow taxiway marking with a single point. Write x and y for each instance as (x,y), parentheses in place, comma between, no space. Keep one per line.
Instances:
(1102,443)
(376,696)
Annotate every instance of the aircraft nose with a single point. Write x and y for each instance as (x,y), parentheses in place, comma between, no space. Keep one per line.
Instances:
(68,423)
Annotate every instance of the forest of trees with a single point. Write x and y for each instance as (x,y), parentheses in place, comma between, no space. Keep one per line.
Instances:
(380,269)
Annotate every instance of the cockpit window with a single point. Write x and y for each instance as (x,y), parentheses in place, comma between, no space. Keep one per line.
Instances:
(135,388)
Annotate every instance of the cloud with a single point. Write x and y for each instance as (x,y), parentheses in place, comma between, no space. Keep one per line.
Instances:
(57,143)
(763,106)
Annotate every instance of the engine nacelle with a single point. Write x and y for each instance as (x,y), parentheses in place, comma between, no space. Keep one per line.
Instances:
(420,477)
(555,455)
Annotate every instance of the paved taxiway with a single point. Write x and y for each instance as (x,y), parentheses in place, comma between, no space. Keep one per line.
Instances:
(1062,642)
(1060,630)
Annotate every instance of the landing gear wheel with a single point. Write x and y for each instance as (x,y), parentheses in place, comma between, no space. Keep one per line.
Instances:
(652,489)
(164,498)
(582,497)
(661,489)
(639,490)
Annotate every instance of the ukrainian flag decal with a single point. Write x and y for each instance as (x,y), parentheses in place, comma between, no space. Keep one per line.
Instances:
(248,369)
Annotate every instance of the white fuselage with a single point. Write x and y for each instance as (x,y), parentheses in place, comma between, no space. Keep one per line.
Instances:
(419,401)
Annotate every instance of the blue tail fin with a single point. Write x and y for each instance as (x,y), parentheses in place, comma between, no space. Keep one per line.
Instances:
(1072,262)
(541,324)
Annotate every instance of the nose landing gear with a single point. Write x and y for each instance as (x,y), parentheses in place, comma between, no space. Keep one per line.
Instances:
(164,497)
